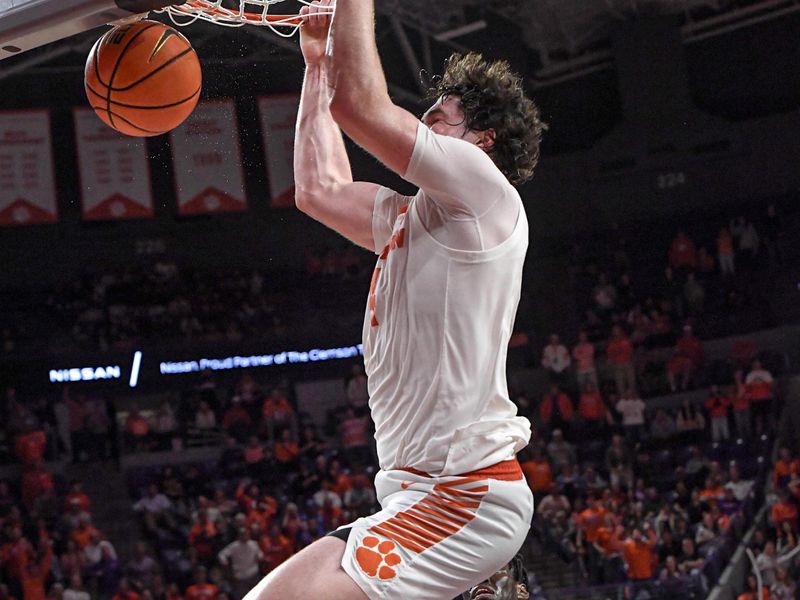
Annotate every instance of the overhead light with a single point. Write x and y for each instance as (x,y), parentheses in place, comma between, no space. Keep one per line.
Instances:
(459,31)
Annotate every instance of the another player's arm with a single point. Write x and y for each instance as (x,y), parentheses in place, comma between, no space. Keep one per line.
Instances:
(324,186)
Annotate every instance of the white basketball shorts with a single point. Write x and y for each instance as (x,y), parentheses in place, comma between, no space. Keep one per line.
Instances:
(438,536)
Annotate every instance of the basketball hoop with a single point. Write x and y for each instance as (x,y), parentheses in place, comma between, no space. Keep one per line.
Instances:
(249,12)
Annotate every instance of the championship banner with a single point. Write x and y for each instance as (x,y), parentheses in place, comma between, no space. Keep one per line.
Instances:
(209,177)
(114,171)
(278,116)
(27,187)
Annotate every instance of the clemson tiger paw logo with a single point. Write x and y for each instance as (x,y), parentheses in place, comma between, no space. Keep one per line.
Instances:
(377,558)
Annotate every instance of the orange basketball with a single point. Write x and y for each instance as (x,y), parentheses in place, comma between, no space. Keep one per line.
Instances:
(143,79)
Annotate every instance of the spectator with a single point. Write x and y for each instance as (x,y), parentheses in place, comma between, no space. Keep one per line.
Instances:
(741,406)
(278,413)
(201,589)
(75,589)
(717,405)
(749,244)
(165,424)
(784,587)
(236,421)
(759,383)
(786,467)
(71,562)
(604,295)
(287,450)
(751,590)
(561,452)
(553,504)
(767,563)
(682,253)
(83,533)
(663,426)
(784,511)
(77,496)
(695,294)
(583,353)
(156,509)
(202,538)
(690,347)
(589,522)
(254,456)
(725,252)
(276,548)
(556,410)
(137,430)
(36,483)
(242,558)
(355,437)
(360,499)
(620,357)
(632,408)
(592,410)
(141,568)
(34,575)
(638,552)
(538,473)
(740,487)
(356,390)
(204,418)
(556,360)
(690,422)
(690,560)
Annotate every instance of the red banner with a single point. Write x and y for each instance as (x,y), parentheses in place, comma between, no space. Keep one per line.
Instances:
(27,187)
(114,171)
(209,177)
(278,116)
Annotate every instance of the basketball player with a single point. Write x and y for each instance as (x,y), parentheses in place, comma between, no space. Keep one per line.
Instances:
(509,583)
(440,311)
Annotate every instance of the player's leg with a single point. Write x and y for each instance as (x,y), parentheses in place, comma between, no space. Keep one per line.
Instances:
(314,572)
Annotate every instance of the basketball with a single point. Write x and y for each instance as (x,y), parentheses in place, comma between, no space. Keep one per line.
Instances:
(143,79)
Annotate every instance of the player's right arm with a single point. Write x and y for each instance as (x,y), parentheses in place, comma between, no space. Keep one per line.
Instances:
(324,186)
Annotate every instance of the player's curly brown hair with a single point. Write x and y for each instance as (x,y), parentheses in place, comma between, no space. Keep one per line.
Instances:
(493,97)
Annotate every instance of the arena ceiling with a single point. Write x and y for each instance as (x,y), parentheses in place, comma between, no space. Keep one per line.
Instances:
(556,40)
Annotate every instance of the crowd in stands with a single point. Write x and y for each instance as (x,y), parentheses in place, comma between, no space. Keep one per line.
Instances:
(118,308)
(652,498)
(219,527)
(49,546)
(774,545)
(709,280)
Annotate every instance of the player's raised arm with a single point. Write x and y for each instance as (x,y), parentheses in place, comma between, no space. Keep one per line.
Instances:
(324,186)
(361,104)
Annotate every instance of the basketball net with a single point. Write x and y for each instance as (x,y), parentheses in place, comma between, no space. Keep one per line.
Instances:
(249,12)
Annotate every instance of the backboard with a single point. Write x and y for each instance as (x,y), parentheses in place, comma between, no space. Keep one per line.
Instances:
(27,24)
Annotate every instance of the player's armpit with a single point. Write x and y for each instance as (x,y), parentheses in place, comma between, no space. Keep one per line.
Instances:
(346,208)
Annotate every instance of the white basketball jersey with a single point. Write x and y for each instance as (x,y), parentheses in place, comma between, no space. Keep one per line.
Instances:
(439,316)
